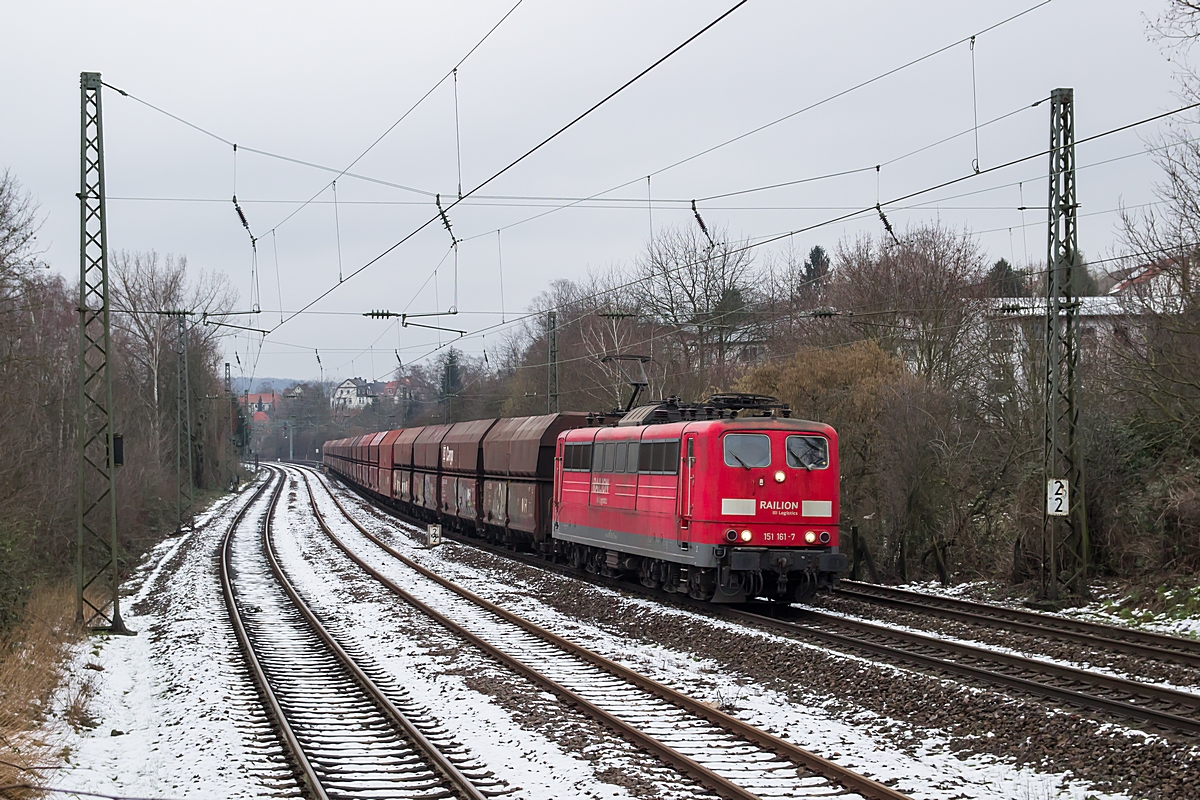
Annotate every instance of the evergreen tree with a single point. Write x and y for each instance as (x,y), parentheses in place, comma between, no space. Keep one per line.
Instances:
(1004,281)
(816,266)
(451,382)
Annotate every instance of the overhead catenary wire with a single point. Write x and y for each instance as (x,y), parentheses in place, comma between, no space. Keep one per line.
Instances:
(457,134)
(500,264)
(853,88)
(843,217)
(638,205)
(278,283)
(519,159)
(452,73)
(536,201)
(793,114)
(337,227)
(650,206)
(345,170)
(498,242)
(974,106)
(267,153)
(851,314)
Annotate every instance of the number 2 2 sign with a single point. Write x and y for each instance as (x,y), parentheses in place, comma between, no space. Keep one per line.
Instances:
(1057,493)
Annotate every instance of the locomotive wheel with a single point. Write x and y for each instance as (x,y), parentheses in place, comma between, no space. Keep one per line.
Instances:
(651,573)
(702,584)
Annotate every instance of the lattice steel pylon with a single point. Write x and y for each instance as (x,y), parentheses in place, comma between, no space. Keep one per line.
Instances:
(98,563)
(234,451)
(1064,538)
(184,500)
(552,362)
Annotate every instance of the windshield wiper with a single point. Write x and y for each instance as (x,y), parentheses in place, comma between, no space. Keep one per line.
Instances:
(739,460)
(803,462)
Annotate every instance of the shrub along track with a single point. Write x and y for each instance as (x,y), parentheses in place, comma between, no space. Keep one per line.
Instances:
(345,734)
(726,755)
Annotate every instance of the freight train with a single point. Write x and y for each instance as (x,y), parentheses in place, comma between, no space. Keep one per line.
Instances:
(725,500)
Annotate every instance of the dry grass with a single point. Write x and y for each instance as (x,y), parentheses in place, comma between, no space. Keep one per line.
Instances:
(33,661)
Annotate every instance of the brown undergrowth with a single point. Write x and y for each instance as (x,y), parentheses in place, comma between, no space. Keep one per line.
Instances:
(33,673)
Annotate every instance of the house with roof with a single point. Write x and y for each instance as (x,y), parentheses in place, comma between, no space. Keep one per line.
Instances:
(353,394)
(262,403)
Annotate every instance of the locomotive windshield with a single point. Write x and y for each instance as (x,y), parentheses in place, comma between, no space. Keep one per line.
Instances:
(807,452)
(747,450)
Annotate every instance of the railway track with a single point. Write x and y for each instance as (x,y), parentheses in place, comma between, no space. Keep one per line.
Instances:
(347,732)
(722,753)
(1163,708)
(1156,646)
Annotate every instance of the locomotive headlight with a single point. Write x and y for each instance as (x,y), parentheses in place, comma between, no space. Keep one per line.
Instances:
(780,476)
(810,536)
(745,536)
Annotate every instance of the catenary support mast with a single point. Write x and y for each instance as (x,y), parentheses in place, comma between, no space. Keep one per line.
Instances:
(98,563)
(1064,535)
(552,362)
(184,477)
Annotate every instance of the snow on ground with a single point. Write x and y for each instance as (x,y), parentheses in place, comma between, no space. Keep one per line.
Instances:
(376,623)
(1103,609)
(932,771)
(173,713)
(1084,665)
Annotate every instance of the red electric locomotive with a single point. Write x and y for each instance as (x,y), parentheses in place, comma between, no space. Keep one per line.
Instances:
(724,501)
(694,499)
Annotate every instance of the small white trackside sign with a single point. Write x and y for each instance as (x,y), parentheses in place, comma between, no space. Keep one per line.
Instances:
(1058,497)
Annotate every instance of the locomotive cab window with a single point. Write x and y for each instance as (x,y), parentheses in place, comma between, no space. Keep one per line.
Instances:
(807,452)
(747,450)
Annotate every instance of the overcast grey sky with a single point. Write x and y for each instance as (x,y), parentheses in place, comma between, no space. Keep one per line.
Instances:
(321,81)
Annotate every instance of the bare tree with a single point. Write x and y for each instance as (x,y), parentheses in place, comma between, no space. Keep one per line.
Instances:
(921,298)
(698,291)
(146,290)
(19,225)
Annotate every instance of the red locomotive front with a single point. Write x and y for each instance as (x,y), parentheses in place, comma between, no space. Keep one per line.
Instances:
(696,499)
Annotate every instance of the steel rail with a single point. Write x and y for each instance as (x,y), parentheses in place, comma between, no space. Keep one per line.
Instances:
(437,759)
(275,710)
(849,780)
(1163,719)
(795,629)
(1159,646)
(1079,699)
